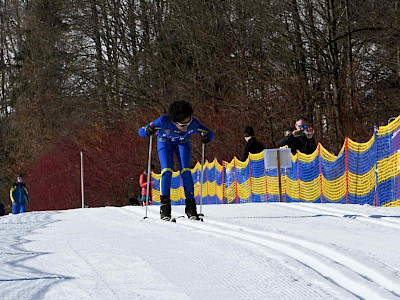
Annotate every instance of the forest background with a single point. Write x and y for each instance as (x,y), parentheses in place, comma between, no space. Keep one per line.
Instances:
(84,75)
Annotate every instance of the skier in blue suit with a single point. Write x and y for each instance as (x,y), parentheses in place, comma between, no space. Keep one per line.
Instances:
(173,132)
(19,196)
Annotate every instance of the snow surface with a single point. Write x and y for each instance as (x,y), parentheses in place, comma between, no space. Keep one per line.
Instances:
(245,251)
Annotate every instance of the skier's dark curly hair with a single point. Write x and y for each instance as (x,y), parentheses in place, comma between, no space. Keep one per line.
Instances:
(179,110)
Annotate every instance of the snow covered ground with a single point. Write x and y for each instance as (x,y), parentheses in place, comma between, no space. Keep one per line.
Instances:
(246,251)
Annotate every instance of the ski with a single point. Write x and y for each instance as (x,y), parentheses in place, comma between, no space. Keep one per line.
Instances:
(200,218)
(168,219)
(184,217)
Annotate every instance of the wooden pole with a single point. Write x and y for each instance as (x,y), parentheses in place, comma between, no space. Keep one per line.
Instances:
(278,156)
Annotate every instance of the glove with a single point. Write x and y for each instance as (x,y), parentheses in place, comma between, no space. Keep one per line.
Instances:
(205,138)
(150,130)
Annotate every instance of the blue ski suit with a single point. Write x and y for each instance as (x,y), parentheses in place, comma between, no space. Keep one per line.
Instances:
(171,140)
(19,197)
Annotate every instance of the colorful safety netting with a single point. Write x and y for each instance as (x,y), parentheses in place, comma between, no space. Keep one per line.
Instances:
(362,173)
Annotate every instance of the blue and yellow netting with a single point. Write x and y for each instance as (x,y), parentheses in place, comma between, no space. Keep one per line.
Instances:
(362,173)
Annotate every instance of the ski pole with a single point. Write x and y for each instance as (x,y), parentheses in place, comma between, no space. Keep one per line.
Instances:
(148,171)
(201,180)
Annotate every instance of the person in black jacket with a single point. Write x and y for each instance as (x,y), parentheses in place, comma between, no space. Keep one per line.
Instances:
(2,210)
(252,145)
(301,138)
(282,142)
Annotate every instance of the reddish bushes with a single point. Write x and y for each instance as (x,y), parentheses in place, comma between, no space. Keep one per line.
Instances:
(115,157)
(113,160)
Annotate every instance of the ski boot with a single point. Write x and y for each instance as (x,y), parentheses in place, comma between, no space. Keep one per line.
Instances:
(190,209)
(165,208)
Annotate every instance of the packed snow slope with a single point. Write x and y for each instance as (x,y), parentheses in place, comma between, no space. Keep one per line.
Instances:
(246,251)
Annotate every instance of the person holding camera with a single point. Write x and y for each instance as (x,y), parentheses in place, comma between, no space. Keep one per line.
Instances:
(282,143)
(301,138)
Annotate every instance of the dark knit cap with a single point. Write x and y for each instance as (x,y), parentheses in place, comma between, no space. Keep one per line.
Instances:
(249,131)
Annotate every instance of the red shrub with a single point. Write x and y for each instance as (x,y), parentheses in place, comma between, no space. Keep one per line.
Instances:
(113,161)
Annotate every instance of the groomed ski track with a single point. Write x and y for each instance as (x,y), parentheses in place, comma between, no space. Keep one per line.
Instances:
(247,251)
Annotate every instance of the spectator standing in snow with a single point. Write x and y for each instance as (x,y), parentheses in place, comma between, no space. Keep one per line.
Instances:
(252,145)
(19,196)
(143,185)
(173,132)
(302,138)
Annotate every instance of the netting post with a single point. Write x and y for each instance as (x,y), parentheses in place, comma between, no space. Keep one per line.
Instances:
(320,172)
(223,182)
(285,183)
(298,174)
(346,151)
(180,188)
(266,184)
(278,158)
(376,166)
(236,183)
(208,193)
(151,190)
(251,186)
(215,177)
(198,181)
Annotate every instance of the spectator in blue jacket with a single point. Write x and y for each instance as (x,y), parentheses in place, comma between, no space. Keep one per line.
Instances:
(19,196)
(173,132)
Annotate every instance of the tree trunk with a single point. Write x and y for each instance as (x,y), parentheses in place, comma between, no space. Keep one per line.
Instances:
(100,90)
(334,68)
(301,62)
(350,57)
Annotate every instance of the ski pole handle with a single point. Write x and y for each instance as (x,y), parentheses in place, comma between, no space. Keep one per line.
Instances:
(151,129)
(204,138)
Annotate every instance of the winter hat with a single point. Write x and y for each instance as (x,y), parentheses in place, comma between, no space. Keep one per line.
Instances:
(249,131)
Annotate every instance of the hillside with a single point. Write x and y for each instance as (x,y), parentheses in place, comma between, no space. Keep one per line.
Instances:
(247,251)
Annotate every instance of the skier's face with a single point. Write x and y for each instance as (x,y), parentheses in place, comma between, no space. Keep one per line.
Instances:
(184,124)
